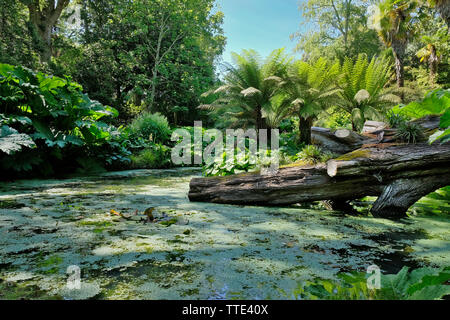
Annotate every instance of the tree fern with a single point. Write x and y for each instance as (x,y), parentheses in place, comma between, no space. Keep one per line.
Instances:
(250,84)
(362,84)
(310,89)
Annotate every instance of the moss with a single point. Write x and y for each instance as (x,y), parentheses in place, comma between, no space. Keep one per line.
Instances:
(360,153)
(190,292)
(300,163)
(168,223)
(49,265)
(104,224)
(14,291)
(10,204)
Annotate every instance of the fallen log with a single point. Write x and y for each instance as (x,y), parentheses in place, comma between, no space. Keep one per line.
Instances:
(339,141)
(398,174)
(342,141)
(429,125)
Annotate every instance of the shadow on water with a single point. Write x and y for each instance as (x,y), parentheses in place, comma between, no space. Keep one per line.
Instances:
(394,261)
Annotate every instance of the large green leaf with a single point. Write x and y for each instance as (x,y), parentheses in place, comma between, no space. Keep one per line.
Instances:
(435,102)
(445,119)
(11,141)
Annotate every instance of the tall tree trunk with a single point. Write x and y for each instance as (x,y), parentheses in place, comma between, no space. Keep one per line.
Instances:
(399,70)
(433,64)
(259,118)
(304,127)
(443,7)
(42,22)
(155,69)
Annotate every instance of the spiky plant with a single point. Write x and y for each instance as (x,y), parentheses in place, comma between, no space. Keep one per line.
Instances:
(249,86)
(363,95)
(310,89)
(409,132)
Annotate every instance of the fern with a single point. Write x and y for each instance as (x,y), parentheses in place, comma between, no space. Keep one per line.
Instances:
(362,84)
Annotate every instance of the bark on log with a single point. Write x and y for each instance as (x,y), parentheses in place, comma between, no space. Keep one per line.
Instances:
(399,174)
(340,141)
(429,125)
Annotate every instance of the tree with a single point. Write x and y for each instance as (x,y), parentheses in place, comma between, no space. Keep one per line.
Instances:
(441,6)
(310,88)
(42,18)
(177,42)
(338,28)
(249,87)
(432,46)
(362,83)
(15,41)
(159,64)
(393,25)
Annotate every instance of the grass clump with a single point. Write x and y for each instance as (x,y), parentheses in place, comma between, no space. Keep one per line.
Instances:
(312,154)
(410,133)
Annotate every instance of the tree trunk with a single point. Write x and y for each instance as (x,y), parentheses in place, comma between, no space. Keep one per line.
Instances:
(259,118)
(433,64)
(304,127)
(443,7)
(155,71)
(399,70)
(42,22)
(339,141)
(398,196)
(399,174)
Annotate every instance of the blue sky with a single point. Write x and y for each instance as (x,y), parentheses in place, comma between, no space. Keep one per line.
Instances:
(263,25)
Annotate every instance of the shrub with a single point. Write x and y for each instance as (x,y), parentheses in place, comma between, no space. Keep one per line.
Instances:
(395,119)
(154,157)
(151,126)
(419,284)
(47,122)
(434,102)
(312,154)
(229,166)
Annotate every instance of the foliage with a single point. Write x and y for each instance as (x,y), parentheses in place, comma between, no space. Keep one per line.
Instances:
(16,42)
(336,29)
(419,284)
(434,102)
(166,58)
(249,87)
(310,89)
(363,94)
(313,155)
(230,166)
(395,119)
(289,138)
(394,28)
(335,118)
(155,157)
(151,126)
(11,141)
(53,112)
(409,132)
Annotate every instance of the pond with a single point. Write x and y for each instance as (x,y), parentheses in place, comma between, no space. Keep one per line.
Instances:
(191,250)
